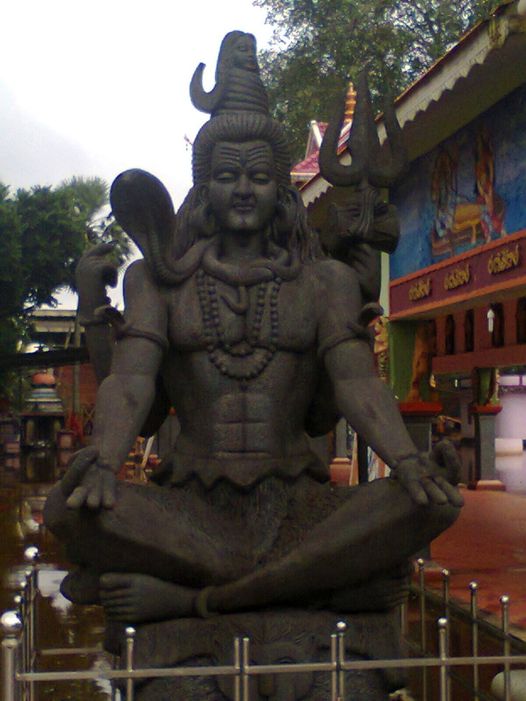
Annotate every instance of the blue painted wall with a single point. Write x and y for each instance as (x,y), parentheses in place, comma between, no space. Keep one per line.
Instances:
(505,126)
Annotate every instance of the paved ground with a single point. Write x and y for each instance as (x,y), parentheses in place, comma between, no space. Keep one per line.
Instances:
(487,544)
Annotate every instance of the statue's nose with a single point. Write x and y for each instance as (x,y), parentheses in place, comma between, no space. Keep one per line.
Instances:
(243,186)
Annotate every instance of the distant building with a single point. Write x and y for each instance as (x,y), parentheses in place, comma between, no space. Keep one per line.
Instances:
(458,276)
(54,329)
(455,289)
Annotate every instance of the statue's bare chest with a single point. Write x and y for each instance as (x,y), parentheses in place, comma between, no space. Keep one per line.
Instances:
(205,313)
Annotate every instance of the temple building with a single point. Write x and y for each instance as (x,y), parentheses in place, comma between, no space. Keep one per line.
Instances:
(458,277)
(457,281)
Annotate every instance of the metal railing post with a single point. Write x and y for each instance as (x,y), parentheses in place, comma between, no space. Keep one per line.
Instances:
(130,643)
(18,600)
(445,592)
(422,603)
(473,587)
(245,662)
(445,602)
(341,627)
(11,626)
(28,633)
(505,613)
(31,556)
(237,665)
(23,619)
(442,652)
(334,663)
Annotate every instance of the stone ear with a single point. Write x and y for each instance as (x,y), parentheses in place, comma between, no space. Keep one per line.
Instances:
(286,209)
(203,195)
(202,220)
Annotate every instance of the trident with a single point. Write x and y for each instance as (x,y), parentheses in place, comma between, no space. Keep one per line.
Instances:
(369,170)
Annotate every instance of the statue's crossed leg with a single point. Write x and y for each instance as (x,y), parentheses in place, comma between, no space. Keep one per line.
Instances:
(156,538)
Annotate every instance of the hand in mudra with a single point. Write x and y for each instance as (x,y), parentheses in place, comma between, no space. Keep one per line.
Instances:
(431,478)
(88,481)
(93,273)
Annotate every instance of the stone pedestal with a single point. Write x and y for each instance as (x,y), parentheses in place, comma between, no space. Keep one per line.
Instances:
(418,418)
(485,473)
(279,636)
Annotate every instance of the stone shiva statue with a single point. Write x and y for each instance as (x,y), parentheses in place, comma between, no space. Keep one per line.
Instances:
(236,317)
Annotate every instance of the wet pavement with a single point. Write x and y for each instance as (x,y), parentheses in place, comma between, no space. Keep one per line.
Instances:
(487,545)
(60,624)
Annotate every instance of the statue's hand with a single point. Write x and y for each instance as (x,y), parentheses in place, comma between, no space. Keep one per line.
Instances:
(88,481)
(431,478)
(93,272)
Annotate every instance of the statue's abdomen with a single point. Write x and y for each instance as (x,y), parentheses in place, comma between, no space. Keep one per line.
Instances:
(220,415)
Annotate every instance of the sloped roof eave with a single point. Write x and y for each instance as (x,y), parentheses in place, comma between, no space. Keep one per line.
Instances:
(472,50)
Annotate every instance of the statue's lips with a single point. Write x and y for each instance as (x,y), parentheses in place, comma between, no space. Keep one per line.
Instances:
(243,208)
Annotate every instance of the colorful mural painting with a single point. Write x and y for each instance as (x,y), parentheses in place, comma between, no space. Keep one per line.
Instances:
(467,191)
(461,221)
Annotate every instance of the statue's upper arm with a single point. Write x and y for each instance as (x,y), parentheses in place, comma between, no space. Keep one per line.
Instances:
(338,302)
(142,298)
(143,337)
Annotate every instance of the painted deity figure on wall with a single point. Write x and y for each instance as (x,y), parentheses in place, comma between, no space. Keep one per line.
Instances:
(460,221)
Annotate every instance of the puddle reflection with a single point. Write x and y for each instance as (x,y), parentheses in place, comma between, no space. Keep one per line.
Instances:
(60,623)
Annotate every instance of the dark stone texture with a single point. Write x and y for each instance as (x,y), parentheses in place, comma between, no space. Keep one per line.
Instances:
(237,319)
(277,637)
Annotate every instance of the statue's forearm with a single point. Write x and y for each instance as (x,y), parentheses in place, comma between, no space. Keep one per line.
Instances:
(367,402)
(123,402)
(369,406)
(99,343)
(92,275)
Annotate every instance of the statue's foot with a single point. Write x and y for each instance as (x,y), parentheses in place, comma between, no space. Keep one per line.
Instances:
(81,586)
(139,598)
(382,593)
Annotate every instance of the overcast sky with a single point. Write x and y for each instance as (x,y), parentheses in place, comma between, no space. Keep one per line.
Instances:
(94,88)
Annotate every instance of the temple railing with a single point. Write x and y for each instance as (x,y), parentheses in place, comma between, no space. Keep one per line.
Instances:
(436,668)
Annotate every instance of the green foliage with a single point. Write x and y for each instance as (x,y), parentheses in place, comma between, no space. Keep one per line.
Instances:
(91,198)
(319,45)
(52,235)
(44,231)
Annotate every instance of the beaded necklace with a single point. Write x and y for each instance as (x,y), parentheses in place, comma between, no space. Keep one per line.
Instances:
(247,359)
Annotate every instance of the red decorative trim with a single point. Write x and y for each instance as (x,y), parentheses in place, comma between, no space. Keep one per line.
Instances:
(428,290)
(488,357)
(420,408)
(451,261)
(485,409)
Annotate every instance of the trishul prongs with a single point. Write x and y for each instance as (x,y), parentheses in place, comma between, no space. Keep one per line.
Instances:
(369,165)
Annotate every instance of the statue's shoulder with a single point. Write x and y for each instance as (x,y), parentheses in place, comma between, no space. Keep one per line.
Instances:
(329,275)
(139,281)
(137,270)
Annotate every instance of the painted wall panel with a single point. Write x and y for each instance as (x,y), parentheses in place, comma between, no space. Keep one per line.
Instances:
(469,190)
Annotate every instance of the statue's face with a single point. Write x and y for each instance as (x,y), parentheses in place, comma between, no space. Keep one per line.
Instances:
(243,187)
(244,53)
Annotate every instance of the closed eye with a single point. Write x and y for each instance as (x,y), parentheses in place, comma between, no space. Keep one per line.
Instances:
(261,177)
(225,176)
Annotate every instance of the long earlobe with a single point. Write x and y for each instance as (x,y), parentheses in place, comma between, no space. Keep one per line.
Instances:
(286,209)
(202,220)
(203,195)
